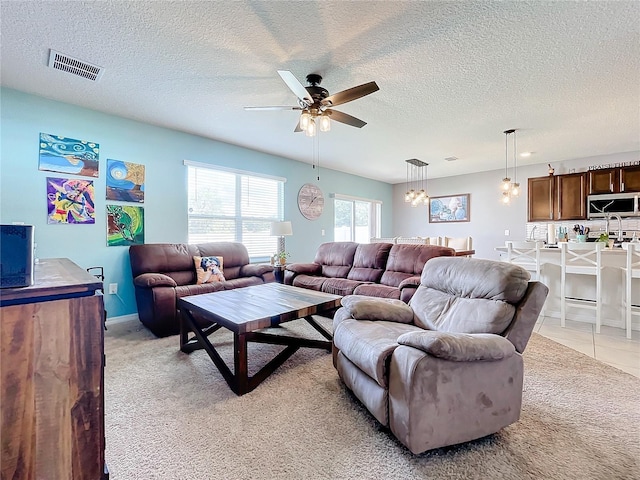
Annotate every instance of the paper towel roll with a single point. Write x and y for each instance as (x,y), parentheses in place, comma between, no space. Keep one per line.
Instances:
(551,233)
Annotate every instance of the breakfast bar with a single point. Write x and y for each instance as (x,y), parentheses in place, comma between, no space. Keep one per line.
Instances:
(583,286)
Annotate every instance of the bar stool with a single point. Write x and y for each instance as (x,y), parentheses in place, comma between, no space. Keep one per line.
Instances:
(525,254)
(581,259)
(631,270)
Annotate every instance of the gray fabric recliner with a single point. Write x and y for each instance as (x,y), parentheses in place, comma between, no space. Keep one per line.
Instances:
(447,368)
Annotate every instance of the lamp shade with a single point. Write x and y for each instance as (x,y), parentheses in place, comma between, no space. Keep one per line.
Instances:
(281,229)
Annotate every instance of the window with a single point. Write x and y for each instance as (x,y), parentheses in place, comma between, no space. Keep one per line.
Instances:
(356,219)
(234,206)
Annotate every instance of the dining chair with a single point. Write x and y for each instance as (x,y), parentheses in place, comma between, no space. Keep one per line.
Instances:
(459,243)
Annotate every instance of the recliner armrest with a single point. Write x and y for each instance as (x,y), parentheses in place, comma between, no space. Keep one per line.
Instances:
(411,282)
(255,270)
(150,280)
(304,268)
(362,307)
(460,347)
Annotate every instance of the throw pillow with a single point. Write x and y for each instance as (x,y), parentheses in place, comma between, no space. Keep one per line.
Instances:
(208,269)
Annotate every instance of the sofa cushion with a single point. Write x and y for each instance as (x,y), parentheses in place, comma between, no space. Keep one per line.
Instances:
(186,290)
(369,262)
(340,286)
(363,307)
(406,260)
(208,269)
(377,290)
(459,347)
(335,258)
(311,282)
(468,295)
(368,345)
(241,282)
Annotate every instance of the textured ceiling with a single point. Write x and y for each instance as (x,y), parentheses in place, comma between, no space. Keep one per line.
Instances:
(452,75)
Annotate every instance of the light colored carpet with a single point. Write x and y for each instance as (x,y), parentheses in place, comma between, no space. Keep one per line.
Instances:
(171,416)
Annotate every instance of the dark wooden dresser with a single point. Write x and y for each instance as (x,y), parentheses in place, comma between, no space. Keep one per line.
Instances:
(52,376)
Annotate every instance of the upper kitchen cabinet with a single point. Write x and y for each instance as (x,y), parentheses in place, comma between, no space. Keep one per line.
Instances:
(630,179)
(614,180)
(560,197)
(540,198)
(571,197)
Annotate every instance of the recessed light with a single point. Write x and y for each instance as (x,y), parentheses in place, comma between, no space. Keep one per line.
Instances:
(526,154)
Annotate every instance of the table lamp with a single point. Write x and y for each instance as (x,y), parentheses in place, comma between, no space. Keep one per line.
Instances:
(281,230)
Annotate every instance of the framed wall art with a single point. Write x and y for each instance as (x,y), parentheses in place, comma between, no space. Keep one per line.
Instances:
(125,181)
(454,208)
(68,155)
(125,225)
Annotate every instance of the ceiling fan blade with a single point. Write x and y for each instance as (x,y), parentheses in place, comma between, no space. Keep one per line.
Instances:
(274,107)
(345,118)
(350,94)
(295,86)
(297,129)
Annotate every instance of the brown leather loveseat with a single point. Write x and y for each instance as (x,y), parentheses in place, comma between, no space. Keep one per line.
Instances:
(164,272)
(372,269)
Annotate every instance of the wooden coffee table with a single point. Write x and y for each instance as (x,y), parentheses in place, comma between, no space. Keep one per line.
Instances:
(244,311)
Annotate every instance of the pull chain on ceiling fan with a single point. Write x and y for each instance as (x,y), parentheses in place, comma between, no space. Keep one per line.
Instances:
(315,102)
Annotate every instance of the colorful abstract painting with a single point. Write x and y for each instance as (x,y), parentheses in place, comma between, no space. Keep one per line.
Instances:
(125,181)
(125,225)
(70,200)
(67,155)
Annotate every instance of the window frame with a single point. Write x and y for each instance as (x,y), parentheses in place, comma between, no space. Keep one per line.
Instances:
(237,217)
(375,214)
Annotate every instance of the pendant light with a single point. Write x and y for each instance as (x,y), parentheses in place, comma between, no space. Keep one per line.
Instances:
(416,184)
(509,189)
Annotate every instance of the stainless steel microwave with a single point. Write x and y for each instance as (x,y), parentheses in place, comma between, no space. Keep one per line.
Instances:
(624,204)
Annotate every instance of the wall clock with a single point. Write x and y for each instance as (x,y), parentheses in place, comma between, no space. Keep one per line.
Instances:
(310,201)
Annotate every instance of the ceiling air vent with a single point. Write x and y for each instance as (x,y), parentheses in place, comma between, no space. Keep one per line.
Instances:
(60,61)
(451,159)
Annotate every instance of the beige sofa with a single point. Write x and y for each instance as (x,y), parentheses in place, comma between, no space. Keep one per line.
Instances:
(446,368)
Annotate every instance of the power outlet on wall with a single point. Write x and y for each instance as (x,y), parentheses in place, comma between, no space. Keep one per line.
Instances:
(506,233)
(113,289)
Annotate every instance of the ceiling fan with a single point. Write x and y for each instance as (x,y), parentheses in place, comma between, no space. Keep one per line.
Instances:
(315,102)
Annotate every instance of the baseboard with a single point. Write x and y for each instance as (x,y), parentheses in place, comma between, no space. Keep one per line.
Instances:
(133,317)
(617,323)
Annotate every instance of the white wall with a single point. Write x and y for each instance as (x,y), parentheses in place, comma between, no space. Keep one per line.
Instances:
(489,218)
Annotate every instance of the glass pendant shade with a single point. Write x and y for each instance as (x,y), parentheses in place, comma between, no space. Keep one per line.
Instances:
(506,184)
(305,119)
(515,190)
(325,123)
(311,128)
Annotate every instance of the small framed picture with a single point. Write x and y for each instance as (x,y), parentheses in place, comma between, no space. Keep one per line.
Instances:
(454,208)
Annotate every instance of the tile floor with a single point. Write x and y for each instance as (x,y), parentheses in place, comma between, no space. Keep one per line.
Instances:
(609,346)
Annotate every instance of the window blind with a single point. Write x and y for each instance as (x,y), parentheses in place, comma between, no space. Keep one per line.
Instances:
(234,206)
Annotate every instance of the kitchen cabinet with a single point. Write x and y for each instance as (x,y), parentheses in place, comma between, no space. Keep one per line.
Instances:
(52,376)
(540,198)
(630,179)
(571,197)
(614,180)
(560,197)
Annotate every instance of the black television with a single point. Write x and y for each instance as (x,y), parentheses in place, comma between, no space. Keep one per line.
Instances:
(16,255)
